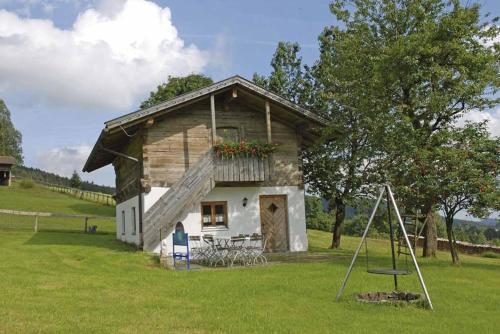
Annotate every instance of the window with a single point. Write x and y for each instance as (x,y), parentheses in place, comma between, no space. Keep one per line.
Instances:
(123,222)
(228,133)
(134,228)
(214,214)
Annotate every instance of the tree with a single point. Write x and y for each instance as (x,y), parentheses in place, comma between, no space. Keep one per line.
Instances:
(10,138)
(432,64)
(313,206)
(75,181)
(467,171)
(340,166)
(176,86)
(288,77)
(391,76)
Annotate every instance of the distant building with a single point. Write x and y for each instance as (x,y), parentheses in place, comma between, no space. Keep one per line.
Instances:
(6,163)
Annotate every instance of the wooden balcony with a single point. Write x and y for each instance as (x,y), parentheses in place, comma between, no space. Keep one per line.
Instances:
(242,169)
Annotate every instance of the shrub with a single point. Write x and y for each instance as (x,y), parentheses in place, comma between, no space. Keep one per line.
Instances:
(27,184)
(229,149)
(491,255)
(322,221)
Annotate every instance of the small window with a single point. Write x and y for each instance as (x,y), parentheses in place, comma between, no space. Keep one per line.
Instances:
(214,214)
(123,222)
(134,228)
(228,134)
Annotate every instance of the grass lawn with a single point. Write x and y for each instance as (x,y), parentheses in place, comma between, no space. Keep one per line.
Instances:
(44,200)
(59,282)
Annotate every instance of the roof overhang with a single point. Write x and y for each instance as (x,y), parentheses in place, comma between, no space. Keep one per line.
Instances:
(7,160)
(114,136)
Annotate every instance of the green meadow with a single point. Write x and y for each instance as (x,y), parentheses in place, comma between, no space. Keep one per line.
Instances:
(60,280)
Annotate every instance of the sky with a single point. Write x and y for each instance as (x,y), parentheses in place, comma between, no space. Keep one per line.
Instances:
(67,66)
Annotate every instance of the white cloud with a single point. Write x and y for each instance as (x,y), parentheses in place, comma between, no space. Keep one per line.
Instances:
(492,116)
(110,58)
(64,160)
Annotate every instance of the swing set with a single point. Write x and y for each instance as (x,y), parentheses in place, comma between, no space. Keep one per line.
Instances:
(403,245)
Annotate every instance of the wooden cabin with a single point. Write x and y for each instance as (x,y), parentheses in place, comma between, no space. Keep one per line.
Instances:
(6,164)
(167,170)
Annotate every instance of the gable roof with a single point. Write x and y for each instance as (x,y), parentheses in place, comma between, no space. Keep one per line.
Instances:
(194,95)
(7,160)
(111,133)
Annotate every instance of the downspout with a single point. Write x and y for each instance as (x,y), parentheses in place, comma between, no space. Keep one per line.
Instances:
(140,169)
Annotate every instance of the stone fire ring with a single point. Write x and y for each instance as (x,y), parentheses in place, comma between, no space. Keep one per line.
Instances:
(390,297)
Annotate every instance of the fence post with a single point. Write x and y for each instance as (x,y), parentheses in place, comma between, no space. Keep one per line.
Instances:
(86,221)
(36,224)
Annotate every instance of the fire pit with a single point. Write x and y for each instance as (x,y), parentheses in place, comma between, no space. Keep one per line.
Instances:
(390,297)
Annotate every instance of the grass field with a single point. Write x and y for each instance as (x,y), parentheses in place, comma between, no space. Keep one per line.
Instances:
(44,200)
(58,282)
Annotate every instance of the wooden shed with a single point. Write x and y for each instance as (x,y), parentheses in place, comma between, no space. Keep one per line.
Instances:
(6,164)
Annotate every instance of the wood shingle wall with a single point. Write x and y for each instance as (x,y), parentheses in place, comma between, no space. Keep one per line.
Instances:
(176,141)
(127,172)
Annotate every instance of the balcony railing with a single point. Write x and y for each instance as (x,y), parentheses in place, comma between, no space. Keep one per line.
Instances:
(242,169)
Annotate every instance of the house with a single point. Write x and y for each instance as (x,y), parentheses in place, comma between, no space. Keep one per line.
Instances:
(6,163)
(168,171)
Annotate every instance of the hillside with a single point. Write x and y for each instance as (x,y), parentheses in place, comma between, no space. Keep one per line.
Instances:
(46,177)
(43,200)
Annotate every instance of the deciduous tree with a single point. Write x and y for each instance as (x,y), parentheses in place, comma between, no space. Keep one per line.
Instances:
(467,171)
(75,181)
(10,138)
(176,86)
(435,62)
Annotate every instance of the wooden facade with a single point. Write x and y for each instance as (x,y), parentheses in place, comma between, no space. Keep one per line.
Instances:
(170,145)
(128,173)
(174,143)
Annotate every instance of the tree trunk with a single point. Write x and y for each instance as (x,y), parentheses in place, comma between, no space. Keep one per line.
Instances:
(451,241)
(339,222)
(430,235)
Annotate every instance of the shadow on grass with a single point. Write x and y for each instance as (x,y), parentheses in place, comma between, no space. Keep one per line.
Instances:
(72,238)
(384,261)
(465,263)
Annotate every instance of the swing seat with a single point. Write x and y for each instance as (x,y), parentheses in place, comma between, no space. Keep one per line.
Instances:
(384,271)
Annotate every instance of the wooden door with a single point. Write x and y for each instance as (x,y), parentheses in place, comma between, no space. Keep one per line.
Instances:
(274,222)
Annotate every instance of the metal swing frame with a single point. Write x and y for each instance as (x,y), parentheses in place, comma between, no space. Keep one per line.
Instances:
(386,189)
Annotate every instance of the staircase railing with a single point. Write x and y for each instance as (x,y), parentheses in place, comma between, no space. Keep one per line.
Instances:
(178,201)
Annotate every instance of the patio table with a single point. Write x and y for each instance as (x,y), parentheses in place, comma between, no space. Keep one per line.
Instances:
(228,250)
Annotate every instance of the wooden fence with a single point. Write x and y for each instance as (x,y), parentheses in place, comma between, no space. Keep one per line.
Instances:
(36,215)
(92,196)
(84,194)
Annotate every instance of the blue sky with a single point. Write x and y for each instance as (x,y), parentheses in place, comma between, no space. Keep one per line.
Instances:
(66,66)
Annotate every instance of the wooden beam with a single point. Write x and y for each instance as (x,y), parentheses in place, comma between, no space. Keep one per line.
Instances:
(268,121)
(212,110)
(230,97)
(149,122)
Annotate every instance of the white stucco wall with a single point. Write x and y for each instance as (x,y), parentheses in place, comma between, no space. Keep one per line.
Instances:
(148,200)
(127,235)
(246,220)
(241,220)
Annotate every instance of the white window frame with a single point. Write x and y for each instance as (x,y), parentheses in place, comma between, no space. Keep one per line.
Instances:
(123,222)
(134,221)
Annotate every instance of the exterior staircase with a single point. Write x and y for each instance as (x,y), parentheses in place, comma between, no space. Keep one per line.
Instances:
(178,201)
